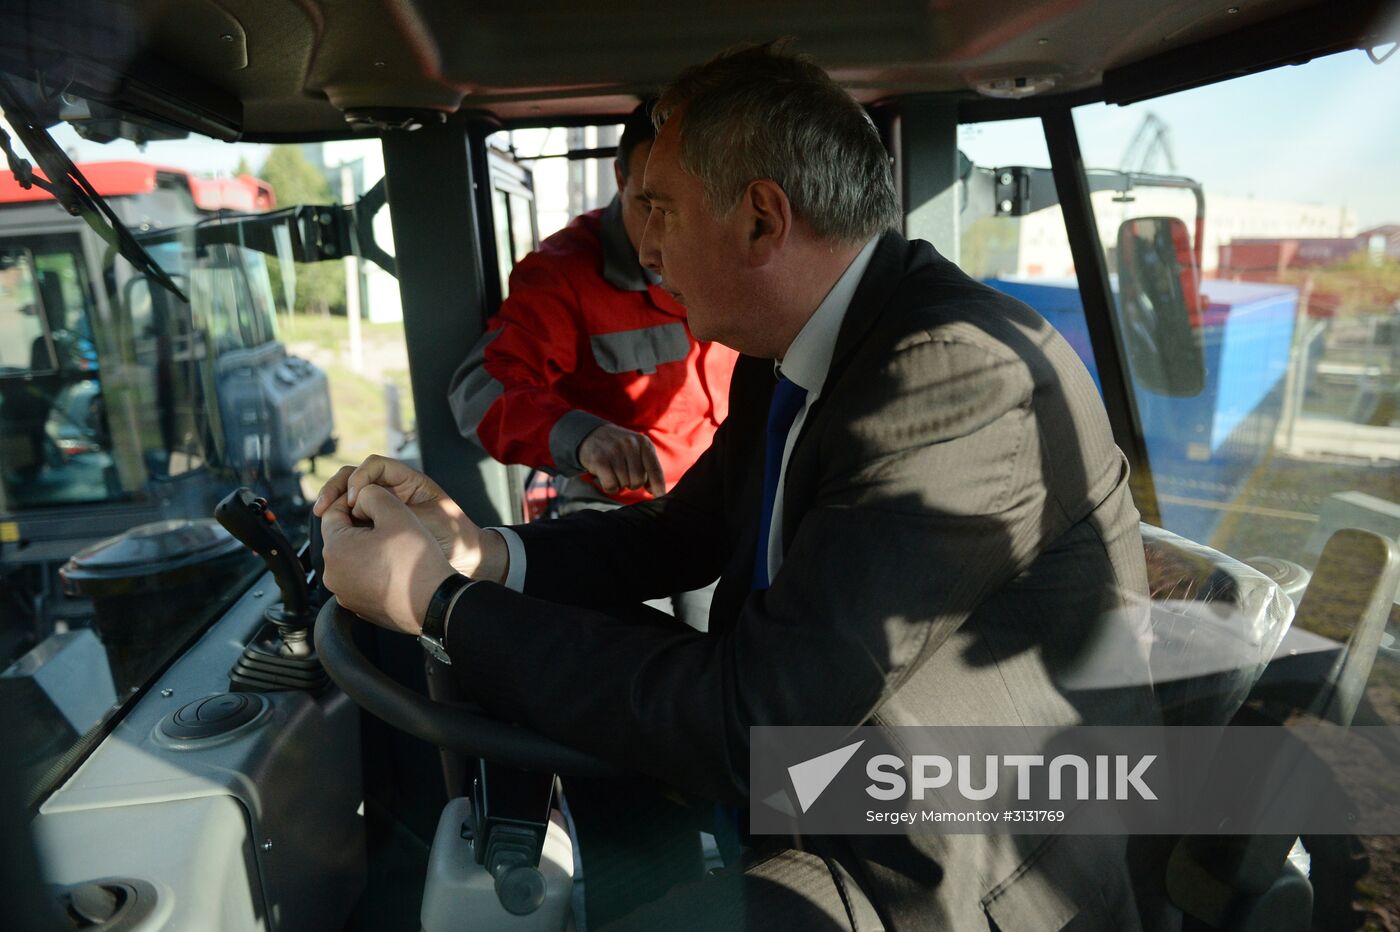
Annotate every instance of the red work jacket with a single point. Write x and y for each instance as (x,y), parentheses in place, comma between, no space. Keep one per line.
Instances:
(584,339)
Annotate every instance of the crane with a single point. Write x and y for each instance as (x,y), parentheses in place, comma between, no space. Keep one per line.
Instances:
(1151,141)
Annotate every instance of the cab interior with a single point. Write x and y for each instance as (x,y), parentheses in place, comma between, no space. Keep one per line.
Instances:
(315,813)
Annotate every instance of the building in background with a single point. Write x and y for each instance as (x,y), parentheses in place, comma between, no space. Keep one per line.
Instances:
(1036,246)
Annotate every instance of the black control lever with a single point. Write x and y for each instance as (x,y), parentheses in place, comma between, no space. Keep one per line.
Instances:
(249,519)
(281,655)
(511,809)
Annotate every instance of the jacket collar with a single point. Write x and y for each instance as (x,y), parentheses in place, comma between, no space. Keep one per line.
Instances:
(621,267)
(888,266)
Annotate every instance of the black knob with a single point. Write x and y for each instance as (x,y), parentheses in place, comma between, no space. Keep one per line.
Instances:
(520,889)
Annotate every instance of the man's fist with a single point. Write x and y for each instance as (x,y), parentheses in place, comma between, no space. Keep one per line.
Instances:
(622,459)
(470,551)
(381,562)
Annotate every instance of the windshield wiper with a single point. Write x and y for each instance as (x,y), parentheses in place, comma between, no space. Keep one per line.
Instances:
(71,189)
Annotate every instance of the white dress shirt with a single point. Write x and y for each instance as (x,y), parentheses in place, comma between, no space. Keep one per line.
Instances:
(805,364)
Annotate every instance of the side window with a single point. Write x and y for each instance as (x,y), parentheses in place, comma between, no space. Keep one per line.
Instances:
(62,282)
(129,393)
(20,322)
(522,225)
(513,222)
(54,443)
(1015,244)
(254,334)
(1291,430)
(262,302)
(212,299)
(1288,429)
(500,221)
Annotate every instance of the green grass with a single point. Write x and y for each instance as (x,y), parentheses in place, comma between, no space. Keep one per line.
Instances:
(332,332)
(357,398)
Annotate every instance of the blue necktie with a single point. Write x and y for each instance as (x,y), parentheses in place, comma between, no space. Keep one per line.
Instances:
(788,397)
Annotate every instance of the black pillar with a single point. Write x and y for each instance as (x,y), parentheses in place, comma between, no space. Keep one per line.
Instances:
(430,177)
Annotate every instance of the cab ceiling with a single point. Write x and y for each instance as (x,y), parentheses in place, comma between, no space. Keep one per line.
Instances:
(289,68)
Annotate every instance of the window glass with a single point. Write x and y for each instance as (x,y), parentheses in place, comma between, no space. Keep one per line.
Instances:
(557,188)
(62,280)
(262,301)
(68,288)
(515,161)
(1023,251)
(52,413)
(500,222)
(214,287)
(1298,239)
(1267,383)
(156,405)
(20,322)
(522,226)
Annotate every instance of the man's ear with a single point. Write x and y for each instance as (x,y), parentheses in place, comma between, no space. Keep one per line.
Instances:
(617,173)
(768,221)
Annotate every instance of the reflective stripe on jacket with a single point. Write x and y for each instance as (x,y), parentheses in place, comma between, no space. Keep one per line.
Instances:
(584,339)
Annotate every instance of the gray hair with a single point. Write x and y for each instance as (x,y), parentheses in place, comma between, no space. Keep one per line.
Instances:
(761,113)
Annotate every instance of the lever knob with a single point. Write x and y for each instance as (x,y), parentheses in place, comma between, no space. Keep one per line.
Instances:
(520,889)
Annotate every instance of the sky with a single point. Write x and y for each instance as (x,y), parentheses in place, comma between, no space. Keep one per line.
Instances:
(1327,132)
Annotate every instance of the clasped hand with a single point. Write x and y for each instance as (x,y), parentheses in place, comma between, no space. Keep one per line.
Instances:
(391,536)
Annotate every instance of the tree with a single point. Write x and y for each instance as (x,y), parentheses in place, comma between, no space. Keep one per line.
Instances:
(243,167)
(294,180)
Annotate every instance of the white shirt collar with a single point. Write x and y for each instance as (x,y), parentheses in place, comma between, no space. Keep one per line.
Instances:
(809,357)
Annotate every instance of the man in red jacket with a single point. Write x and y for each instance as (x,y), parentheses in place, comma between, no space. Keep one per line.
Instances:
(589,370)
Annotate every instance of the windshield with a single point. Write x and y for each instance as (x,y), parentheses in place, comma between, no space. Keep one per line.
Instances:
(1288,431)
(127,413)
(1294,433)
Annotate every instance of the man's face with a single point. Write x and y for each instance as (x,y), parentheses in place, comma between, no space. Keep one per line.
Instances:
(629,190)
(697,255)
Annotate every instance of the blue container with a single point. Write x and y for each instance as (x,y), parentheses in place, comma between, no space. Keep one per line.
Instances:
(1202,449)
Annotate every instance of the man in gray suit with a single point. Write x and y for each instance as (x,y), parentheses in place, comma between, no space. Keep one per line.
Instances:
(917,515)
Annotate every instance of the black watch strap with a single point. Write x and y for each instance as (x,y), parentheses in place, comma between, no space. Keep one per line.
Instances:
(435,622)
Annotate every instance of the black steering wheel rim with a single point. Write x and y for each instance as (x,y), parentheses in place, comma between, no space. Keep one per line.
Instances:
(452,727)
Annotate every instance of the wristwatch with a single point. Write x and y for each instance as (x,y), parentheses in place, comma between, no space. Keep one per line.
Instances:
(434,634)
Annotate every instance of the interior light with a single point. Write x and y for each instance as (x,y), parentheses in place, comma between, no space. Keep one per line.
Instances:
(1017,87)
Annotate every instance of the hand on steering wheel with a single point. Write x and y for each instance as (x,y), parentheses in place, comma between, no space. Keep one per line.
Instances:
(380,561)
(471,553)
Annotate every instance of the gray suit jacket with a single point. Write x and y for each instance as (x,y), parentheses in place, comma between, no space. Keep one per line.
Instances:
(957,523)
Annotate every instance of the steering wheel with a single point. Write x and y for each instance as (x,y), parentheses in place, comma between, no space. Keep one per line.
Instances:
(459,728)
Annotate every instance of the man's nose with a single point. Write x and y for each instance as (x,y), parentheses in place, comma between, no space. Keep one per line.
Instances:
(647,251)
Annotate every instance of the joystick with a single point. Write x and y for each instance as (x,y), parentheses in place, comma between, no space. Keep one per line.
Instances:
(281,655)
